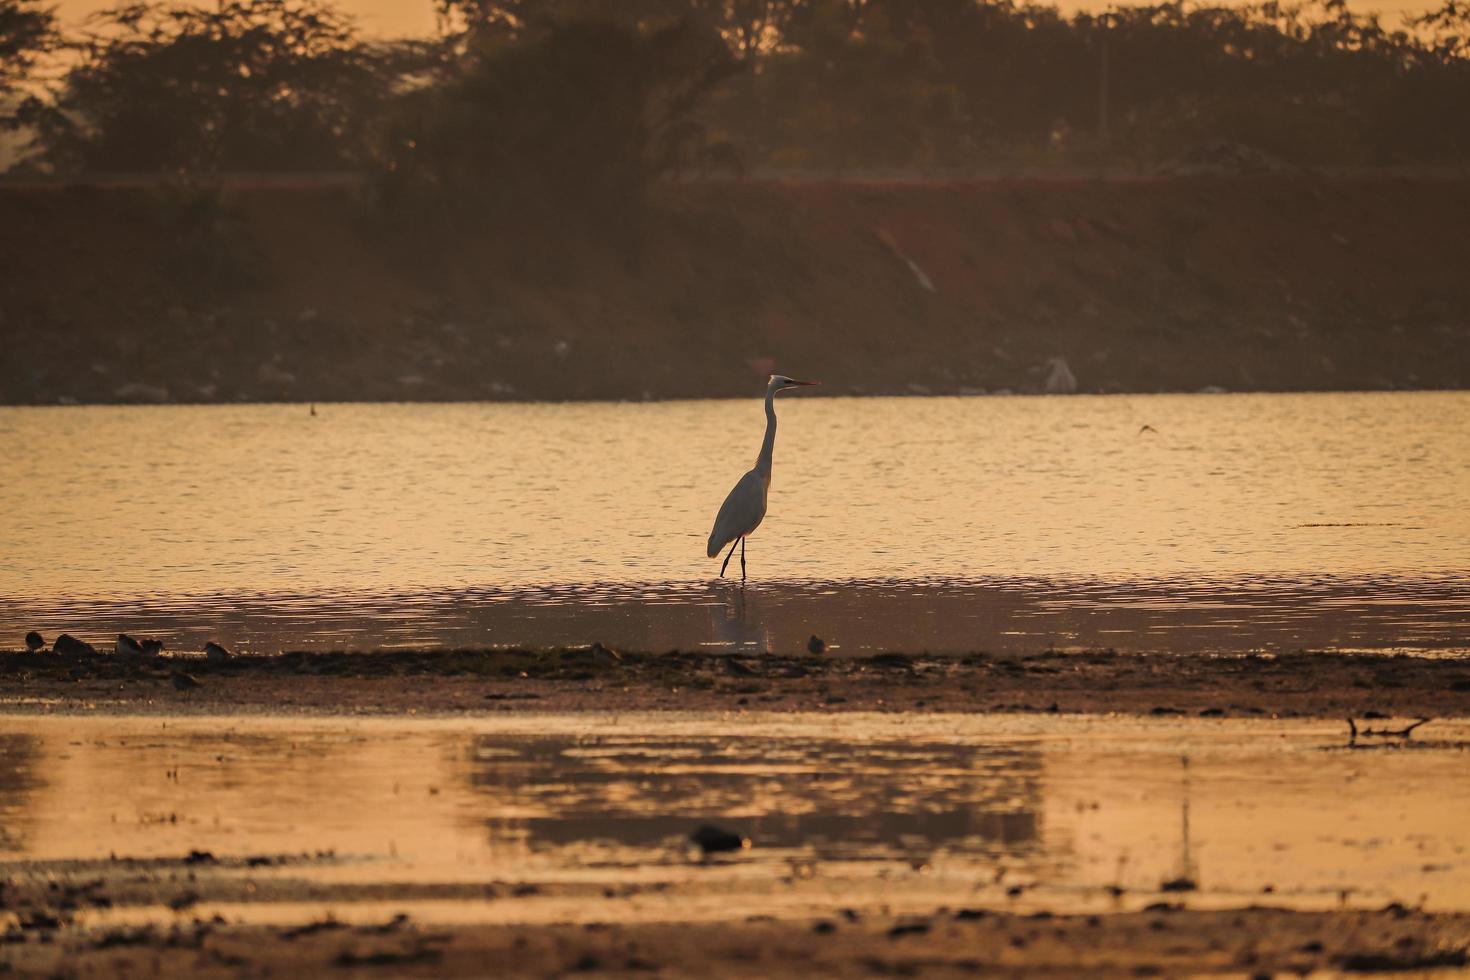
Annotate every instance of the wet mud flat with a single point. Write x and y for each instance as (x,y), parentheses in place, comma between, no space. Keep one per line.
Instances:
(870,843)
(1248,942)
(520,813)
(1335,685)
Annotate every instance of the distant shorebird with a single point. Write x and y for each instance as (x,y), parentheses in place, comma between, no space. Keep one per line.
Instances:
(34,641)
(152,647)
(745,507)
(713,840)
(605,656)
(126,646)
(216,654)
(70,646)
(183,681)
(816,644)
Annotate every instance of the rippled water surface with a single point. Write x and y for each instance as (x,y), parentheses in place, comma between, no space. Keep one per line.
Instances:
(569,818)
(1005,523)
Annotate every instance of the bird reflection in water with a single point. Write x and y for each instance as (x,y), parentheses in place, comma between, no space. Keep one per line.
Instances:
(737,619)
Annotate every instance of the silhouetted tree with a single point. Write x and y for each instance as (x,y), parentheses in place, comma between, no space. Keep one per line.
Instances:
(27,31)
(245,85)
(579,118)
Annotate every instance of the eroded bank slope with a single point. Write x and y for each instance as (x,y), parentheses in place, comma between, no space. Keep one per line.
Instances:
(305,293)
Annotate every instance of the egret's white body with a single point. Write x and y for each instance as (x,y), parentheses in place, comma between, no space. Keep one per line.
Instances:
(745,507)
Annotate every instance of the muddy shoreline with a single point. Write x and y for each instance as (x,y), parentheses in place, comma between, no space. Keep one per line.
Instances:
(1306,685)
(951,942)
(183,894)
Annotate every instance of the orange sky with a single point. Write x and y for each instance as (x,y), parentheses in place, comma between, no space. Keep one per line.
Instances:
(405,17)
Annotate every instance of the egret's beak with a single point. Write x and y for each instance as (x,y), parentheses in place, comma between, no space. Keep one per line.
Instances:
(794,382)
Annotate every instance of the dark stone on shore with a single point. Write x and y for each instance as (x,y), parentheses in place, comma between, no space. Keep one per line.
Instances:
(34,641)
(70,646)
(715,840)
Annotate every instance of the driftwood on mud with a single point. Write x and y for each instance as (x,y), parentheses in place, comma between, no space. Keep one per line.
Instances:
(1354,732)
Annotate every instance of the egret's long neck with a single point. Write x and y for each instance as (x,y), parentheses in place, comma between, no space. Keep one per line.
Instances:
(763,461)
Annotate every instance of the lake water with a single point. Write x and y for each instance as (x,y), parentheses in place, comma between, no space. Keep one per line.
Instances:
(584,817)
(1232,522)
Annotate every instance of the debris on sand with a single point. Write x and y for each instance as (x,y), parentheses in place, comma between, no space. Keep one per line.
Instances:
(908,929)
(716,840)
(1404,962)
(310,928)
(68,645)
(1354,732)
(34,641)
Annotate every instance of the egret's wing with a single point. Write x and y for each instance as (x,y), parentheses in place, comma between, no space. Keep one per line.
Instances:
(742,510)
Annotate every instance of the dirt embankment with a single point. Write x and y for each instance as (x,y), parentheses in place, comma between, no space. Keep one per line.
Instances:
(1265,283)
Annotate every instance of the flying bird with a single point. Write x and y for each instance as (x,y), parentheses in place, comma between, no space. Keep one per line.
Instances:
(745,507)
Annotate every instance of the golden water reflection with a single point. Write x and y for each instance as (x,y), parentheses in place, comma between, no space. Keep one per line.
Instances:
(1049,813)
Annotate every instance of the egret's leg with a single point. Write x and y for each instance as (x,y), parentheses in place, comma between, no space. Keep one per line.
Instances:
(728,555)
(742,559)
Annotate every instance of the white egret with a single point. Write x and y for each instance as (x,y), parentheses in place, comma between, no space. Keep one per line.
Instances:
(745,507)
